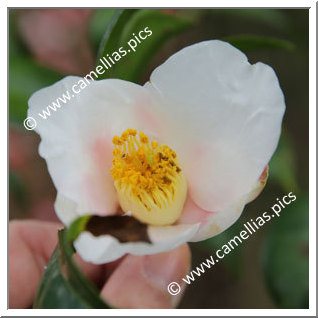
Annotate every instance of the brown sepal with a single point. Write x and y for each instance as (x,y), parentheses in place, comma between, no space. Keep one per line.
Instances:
(124,228)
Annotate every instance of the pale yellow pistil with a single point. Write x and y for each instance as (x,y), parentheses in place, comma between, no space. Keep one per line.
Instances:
(148,179)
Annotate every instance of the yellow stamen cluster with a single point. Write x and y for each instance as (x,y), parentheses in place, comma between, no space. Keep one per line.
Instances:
(148,179)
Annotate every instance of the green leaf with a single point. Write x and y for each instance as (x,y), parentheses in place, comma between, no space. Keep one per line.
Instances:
(122,29)
(269,17)
(111,39)
(285,256)
(16,45)
(234,261)
(282,167)
(25,78)
(63,284)
(99,23)
(77,227)
(17,189)
(246,42)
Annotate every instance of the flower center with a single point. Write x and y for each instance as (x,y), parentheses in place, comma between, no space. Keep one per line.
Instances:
(148,179)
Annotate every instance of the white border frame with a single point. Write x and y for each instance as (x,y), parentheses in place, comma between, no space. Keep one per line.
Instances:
(312,165)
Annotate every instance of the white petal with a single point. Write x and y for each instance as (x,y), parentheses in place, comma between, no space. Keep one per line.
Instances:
(105,248)
(224,119)
(216,223)
(258,186)
(76,138)
(65,209)
(220,221)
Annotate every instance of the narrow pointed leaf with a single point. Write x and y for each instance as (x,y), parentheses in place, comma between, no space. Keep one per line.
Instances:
(254,42)
(63,284)
(126,25)
(285,256)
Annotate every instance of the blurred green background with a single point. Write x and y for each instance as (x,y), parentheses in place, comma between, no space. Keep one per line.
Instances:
(270,270)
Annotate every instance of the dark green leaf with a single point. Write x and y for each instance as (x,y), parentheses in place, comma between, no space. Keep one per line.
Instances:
(114,30)
(99,23)
(234,261)
(122,29)
(77,227)
(63,284)
(17,188)
(282,167)
(269,17)
(247,42)
(25,78)
(285,256)
(16,46)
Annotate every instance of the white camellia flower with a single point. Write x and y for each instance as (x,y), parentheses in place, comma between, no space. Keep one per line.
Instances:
(182,154)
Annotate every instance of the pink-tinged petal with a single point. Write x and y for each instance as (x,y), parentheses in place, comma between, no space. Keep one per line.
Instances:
(93,184)
(192,213)
(76,140)
(214,223)
(220,221)
(148,120)
(224,119)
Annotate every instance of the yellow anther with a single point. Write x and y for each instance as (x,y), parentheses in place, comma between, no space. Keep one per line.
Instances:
(116,152)
(154,144)
(117,141)
(143,138)
(131,132)
(125,135)
(147,178)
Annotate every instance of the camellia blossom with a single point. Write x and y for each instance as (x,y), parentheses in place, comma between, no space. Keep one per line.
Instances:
(181,155)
